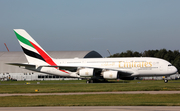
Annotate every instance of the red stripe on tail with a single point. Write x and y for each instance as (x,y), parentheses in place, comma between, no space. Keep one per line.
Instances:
(46,57)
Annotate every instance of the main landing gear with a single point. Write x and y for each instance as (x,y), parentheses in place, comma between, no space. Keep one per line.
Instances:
(90,81)
(96,81)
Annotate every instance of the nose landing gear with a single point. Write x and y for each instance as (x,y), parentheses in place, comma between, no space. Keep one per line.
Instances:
(165,81)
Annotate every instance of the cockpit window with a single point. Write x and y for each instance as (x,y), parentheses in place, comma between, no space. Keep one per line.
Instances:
(170,65)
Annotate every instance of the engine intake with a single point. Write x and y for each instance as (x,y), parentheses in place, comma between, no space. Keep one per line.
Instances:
(86,72)
(110,74)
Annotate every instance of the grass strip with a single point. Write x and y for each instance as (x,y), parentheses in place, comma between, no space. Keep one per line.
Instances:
(81,86)
(92,100)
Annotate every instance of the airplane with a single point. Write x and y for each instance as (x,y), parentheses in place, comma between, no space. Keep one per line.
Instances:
(92,68)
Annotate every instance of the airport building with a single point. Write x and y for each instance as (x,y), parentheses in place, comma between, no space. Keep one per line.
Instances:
(15,73)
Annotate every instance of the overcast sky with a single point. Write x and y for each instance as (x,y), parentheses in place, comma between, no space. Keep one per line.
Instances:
(83,25)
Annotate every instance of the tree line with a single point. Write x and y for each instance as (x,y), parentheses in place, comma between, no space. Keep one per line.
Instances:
(172,56)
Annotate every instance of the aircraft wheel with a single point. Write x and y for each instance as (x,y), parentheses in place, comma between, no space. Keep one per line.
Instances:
(91,81)
(87,81)
(165,80)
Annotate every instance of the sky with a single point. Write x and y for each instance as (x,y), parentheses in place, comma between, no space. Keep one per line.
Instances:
(85,25)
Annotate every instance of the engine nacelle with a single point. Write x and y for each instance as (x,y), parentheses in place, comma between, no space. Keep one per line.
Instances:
(110,74)
(86,72)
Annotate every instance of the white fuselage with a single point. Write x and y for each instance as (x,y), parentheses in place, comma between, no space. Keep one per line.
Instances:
(137,66)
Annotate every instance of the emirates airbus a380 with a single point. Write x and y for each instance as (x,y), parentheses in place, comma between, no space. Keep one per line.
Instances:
(92,68)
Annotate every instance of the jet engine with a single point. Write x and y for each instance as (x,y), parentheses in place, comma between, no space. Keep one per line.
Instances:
(110,74)
(86,72)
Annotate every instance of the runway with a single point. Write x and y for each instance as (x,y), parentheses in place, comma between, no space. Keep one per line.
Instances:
(94,108)
(83,93)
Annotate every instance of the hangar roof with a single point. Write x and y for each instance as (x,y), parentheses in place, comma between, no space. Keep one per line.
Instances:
(18,57)
(73,54)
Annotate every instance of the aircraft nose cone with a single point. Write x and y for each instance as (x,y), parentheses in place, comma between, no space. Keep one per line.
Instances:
(174,69)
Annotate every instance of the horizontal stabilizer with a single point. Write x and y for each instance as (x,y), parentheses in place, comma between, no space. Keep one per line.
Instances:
(20,64)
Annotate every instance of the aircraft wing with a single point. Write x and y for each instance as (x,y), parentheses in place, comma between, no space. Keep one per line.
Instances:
(73,68)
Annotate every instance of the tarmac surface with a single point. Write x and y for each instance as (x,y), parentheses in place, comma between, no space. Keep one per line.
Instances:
(83,93)
(94,108)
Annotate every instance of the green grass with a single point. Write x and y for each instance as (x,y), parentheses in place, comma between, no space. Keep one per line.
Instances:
(89,100)
(93,100)
(81,86)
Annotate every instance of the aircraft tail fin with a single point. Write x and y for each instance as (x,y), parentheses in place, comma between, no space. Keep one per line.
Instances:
(32,50)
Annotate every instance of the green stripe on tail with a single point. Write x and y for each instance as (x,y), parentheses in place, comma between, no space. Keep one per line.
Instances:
(23,40)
